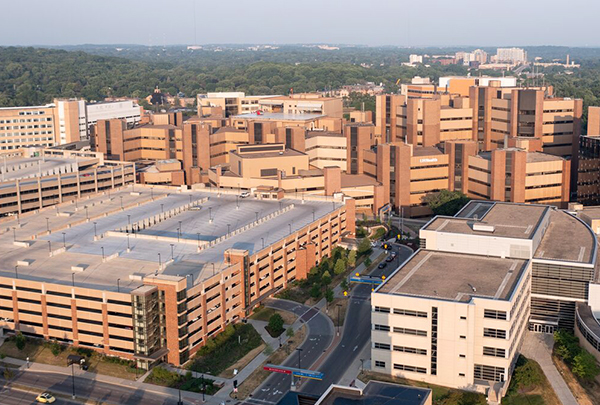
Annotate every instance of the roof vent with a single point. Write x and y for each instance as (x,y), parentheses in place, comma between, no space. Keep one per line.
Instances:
(472,288)
(483,227)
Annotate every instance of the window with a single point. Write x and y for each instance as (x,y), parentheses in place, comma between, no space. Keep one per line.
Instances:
(413,369)
(384,328)
(462,356)
(488,373)
(464,318)
(493,351)
(383,346)
(461,374)
(462,336)
(494,333)
(408,331)
(412,350)
(407,312)
(380,364)
(493,314)
(382,309)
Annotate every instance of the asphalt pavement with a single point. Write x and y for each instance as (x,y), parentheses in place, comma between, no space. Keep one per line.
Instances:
(100,391)
(357,329)
(320,335)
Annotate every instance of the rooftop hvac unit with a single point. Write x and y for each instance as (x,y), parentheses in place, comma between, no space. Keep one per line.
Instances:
(483,227)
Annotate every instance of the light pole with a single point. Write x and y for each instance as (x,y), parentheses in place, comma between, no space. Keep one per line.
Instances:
(118,285)
(121,197)
(128,248)
(263,242)
(87,216)
(209,214)
(256,214)
(313,215)
(213,266)
(338,322)
(299,366)
(64,240)
(73,279)
(180,231)
(17,272)
(152,193)
(159,262)
(48,224)
(178,234)
(228,227)
(14,234)
(128,219)
(95,231)
(290,226)
(102,247)
(198,235)
(73,376)
(172,256)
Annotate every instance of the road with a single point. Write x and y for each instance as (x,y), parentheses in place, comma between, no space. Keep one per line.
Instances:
(357,329)
(320,335)
(99,391)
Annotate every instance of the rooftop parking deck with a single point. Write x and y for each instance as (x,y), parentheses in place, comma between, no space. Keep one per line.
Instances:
(213,217)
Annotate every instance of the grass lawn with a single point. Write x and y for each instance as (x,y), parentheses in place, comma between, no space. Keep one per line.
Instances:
(332,311)
(539,394)
(39,351)
(585,394)
(263,313)
(225,349)
(243,362)
(259,375)
(165,378)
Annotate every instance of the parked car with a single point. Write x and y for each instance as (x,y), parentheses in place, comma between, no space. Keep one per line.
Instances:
(382,265)
(245,194)
(45,398)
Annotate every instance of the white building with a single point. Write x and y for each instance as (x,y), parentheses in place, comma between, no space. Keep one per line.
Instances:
(127,110)
(414,59)
(454,313)
(512,55)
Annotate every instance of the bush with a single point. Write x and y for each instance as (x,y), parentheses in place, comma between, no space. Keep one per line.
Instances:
(527,374)
(368,262)
(329,295)
(326,278)
(82,351)
(585,366)
(352,258)
(20,341)
(566,345)
(340,266)
(315,291)
(8,374)
(290,332)
(55,348)
(275,326)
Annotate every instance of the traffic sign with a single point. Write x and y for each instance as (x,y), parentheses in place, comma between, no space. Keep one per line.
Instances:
(365,280)
(315,375)
(277,369)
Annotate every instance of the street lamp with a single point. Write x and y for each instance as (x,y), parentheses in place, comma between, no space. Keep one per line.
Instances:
(228,227)
(49,247)
(290,226)
(64,240)
(263,242)
(17,272)
(118,285)
(86,213)
(256,213)
(47,224)
(159,261)
(198,235)
(129,219)
(313,215)
(178,229)
(172,256)
(73,279)
(121,197)
(209,214)
(128,248)
(338,322)
(14,234)
(102,247)
(95,232)
(73,376)
(299,367)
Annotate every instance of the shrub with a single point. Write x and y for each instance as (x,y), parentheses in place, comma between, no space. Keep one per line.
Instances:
(55,348)
(82,351)
(352,258)
(290,332)
(527,374)
(275,325)
(8,374)
(340,266)
(315,291)
(585,366)
(20,341)
(326,278)
(329,295)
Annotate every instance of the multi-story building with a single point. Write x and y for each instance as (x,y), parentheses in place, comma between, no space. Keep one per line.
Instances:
(151,273)
(515,175)
(232,103)
(325,148)
(63,122)
(454,313)
(34,179)
(515,56)
(386,106)
(588,176)
(22,127)
(304,103)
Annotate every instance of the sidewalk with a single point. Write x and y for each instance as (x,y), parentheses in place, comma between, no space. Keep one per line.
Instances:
(538,347)
(134,385)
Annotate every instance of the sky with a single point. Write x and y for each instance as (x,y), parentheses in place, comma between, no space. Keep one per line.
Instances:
(362,22)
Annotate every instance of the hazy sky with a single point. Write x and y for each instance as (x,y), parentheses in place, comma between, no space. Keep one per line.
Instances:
(369,22)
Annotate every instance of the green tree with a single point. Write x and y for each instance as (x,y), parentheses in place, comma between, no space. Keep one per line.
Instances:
(527,373)
(20,341)
(367,262)
(315,291)
(340,266)
(290,332)
(275,324)
(364,247)
(352,258)
(329,295)
(585,365)
(326,278)
(8,374)
(566,345)
(344,285)
(268,349)
(446,202)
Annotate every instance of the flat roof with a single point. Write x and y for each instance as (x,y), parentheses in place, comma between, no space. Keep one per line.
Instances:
(509,220)
(28,167)
(357,180)
(427,151)
(567,238)
(260,155)
(455,277)
(279,116)
(377,393)
(143,258)
(312,134)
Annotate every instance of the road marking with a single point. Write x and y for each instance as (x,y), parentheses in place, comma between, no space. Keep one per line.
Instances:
(355,348)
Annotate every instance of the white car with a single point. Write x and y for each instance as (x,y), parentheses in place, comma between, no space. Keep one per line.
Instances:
(245,194)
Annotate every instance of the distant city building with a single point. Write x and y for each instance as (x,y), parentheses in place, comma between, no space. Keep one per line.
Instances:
(515,56)
(414,59)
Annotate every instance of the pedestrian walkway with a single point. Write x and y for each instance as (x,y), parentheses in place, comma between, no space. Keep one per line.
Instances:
(81,374)
(538,347)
